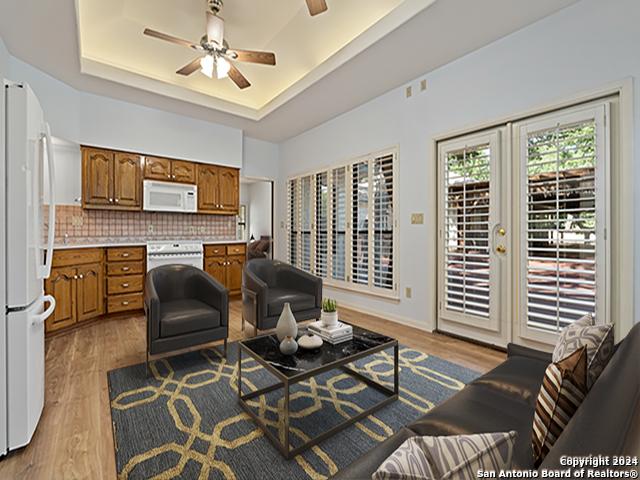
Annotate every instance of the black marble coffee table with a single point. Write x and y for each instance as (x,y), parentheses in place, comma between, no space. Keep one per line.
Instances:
(291,369)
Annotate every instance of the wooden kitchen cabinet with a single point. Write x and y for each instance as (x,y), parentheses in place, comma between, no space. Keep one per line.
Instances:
(157,168)
(111,180)
(169,170)
(77,283)
(97,177)
(127,185)
(89,291)
(218,189)
(62,285)
(225,264)
(125,278)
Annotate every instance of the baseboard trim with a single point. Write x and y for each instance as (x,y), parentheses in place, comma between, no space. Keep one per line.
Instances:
(402,320)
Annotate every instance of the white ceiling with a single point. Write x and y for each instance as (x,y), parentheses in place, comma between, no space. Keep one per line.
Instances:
(45,34)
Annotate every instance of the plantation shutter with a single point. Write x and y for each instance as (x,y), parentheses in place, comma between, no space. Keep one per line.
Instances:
(383,220)
(564,217)
(338,222)
(306,216)
(360,223)
(293,217)
(321,220)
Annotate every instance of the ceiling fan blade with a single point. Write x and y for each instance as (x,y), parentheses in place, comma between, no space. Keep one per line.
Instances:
(170,38)
(190,67)
(238,78)
(250,56)
(215,28)
(317,6)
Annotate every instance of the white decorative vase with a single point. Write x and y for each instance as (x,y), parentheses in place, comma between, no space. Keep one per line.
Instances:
(310,341)
(286,326)
(329,319)
(288,346)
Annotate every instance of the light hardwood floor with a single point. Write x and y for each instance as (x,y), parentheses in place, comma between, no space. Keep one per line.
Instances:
(74,438)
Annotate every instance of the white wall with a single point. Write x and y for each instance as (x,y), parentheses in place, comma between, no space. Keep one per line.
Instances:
(583,47)
(259,209)
(95,120)
(261,159)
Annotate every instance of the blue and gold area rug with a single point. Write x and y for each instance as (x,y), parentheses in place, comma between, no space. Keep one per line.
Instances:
(184,421)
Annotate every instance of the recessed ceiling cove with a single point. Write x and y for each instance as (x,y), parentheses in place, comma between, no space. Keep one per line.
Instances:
(114,47)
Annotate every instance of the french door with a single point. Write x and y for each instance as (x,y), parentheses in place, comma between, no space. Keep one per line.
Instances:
(523,218)
(473,236)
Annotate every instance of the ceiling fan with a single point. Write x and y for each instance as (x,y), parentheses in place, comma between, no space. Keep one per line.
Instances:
(317,6)
(218,57)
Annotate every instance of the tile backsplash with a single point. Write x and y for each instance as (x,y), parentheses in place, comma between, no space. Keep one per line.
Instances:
(77,226)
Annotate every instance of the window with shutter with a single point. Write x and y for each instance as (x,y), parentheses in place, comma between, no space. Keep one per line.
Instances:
(338,222)
(563,212)
(383,222)
(306,215)
(321,203)
(342,224)
(360,223)
(293,207)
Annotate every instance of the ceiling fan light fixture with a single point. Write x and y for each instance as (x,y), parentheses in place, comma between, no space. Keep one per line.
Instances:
(222,67)
(206,65)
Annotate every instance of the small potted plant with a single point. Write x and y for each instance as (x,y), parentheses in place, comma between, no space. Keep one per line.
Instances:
(329,315)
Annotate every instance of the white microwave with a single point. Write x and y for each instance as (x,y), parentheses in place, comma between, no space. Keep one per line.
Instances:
(169,197)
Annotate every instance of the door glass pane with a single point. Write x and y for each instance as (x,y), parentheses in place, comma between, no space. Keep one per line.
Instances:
(466,236)
(560,224)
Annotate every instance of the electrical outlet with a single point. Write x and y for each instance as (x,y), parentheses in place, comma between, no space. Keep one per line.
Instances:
(77,220)
(193,230)
(423,85)
(408,91)
(408,292)
(417,218)
(150,228)
(203,229)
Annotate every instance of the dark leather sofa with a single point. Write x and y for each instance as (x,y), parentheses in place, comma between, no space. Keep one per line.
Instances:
(185,307)
(607,422)
(268,284)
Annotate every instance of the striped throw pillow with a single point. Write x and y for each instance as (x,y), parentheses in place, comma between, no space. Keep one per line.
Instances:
(455,457)
(564,386)
(598,340)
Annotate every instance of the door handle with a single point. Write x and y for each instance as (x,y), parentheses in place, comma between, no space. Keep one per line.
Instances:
(501,249)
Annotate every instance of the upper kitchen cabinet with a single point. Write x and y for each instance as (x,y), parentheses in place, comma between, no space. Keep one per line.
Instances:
(218,189)
(169,170)
(97,178)
(229,190)
(111,180)
(157,168)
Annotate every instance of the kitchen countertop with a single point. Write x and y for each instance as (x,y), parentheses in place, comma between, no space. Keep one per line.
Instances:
(134,243)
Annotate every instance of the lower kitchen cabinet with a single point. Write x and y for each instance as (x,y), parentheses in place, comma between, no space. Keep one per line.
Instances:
(77,283)
(125,278)
(225,264)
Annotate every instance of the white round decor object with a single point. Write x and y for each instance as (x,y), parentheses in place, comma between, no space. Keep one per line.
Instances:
(309,341)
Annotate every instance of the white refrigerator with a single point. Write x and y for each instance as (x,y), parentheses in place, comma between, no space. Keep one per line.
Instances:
(25,261)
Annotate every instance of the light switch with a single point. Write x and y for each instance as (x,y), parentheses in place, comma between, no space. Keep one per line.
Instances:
(423,85)
(408,91)
(417,218)
(408,292)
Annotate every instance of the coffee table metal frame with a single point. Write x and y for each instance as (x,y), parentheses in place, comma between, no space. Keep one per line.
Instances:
(286,383)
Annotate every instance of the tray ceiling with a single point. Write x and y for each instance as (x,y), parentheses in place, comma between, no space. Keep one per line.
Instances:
(113,47)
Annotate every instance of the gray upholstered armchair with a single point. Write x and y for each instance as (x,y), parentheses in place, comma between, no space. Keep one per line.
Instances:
(184,307)
(268,284)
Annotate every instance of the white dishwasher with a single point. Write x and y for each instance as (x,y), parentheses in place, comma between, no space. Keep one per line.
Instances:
(182,252)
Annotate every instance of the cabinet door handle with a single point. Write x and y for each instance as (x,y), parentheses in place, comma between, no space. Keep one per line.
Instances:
(117,200)
(111,200)
(125,269)
(81,276)
(75,277)
(125,285)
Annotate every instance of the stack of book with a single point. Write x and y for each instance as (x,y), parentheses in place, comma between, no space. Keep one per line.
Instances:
(341,332)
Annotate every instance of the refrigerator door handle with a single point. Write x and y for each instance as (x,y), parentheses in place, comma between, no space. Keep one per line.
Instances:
(38,319)
(45,269)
